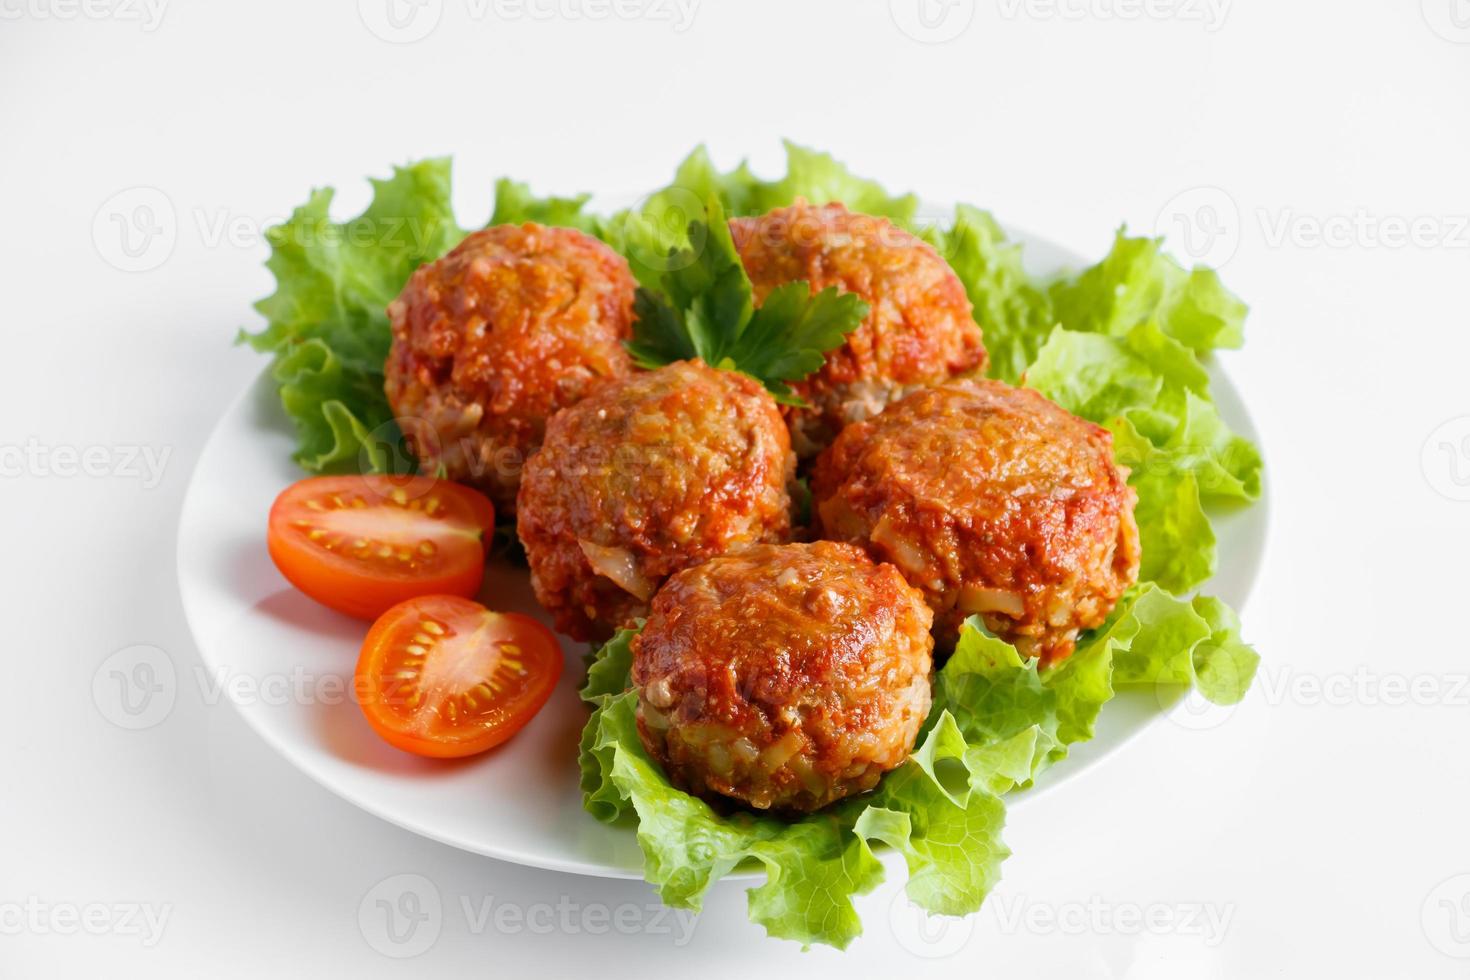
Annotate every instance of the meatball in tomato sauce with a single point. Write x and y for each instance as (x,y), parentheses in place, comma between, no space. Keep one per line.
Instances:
(515,323)
(650,474)
(919,329)
(994,501)
(784,677)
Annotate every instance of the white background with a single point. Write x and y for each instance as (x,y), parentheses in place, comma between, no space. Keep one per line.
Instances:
(1323,822)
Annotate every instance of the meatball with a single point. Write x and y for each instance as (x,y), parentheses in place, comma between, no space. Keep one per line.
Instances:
(919,329)
(992,500)
(650,474)
(784,676)
(491,340)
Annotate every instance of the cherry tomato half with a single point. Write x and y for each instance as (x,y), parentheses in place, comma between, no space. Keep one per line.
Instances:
(445,677)
(362,544)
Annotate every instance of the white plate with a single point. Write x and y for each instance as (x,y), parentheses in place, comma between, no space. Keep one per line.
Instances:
(289,661)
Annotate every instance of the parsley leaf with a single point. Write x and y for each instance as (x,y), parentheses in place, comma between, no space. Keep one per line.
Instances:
(704,306)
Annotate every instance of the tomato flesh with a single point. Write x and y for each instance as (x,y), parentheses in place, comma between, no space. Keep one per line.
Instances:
(362,544)
(443,676)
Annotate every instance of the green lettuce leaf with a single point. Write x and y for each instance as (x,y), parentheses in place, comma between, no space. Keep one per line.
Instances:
(697,179)
(1014,313)
(1187,644)
(515,205)
(1139,283)
(1159,386)
(810,175)
(655,235)
(1224,664)
(1174,532)
(1153,394)
(820,179)
(327,320)
(1004,704)
(997,722)
(947,826)
(945,822)
(812,872)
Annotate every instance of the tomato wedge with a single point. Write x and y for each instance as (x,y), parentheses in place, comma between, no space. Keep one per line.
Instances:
(445,677)
(362,544)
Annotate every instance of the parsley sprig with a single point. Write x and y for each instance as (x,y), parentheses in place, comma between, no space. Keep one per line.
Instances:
(705,307)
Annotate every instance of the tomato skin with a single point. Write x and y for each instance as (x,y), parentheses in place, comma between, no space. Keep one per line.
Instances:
(311,540)
(493,673)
